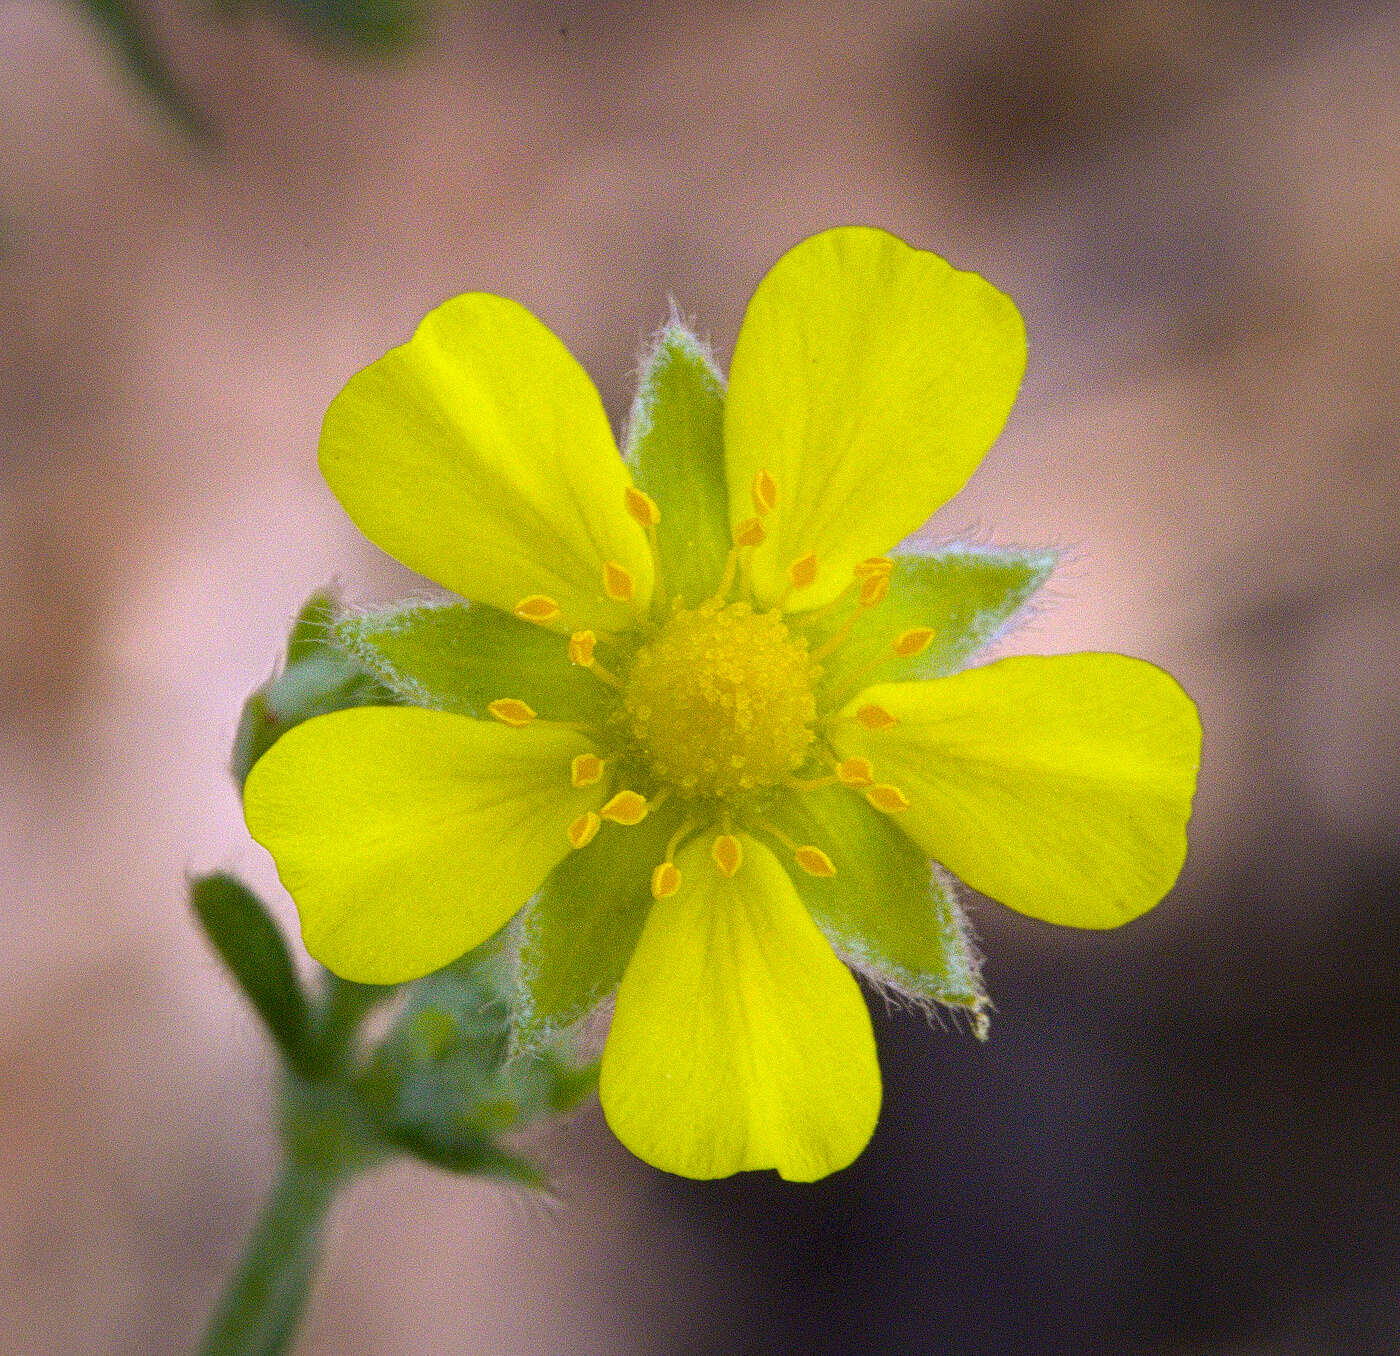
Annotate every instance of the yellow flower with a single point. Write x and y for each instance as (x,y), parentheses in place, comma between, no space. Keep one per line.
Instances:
(697,716)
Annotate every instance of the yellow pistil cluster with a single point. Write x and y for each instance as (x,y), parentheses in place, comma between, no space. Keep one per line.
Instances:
(721,701)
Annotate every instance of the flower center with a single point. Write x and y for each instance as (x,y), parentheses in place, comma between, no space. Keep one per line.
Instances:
(721,701)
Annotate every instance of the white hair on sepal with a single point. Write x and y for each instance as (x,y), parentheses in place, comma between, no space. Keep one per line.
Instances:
(345,634)
(900,992)
(677,325)
(586,1033)
(1064,560)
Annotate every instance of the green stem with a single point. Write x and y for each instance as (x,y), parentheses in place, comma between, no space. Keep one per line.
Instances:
(262,1306)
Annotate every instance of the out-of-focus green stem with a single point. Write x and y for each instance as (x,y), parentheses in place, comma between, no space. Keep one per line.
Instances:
(326,1143)
(262,1306)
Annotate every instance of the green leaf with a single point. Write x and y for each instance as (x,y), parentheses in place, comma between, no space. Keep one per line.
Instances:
(887,910)
(968,595)
(129,35)
(318,678)
(675,446)
(579,932)
(374,27)
(462,656)
(238,924)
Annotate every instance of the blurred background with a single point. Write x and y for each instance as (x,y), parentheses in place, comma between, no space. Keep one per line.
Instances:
(1182,1137)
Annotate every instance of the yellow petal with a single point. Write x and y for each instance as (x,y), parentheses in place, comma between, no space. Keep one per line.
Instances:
(407,837)
(1059,785)
(479,454)
(739,1041)
(869,380)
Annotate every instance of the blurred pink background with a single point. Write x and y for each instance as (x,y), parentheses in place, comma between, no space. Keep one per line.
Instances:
(1197,206)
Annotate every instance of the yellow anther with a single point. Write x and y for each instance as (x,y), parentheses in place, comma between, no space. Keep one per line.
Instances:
(814,861)
(642,507)
(586,770)
(581,645)
(875,717)
(872,566)
(512,711)
(536,608)
(765,493)
(750,532)
(584,829)
(665,880)
(617,582)
(914,642)
(802,571)
(855,772)
(728,853)
(627,807)
(888,798)
(873,589)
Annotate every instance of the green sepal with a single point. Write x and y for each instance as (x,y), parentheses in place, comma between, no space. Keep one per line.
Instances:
(888,912)
(460,657)
(464,1151)
(310,633)
(442,1085)
(316,679)
(241,930)
(577,935)
(968,595)
(675,446)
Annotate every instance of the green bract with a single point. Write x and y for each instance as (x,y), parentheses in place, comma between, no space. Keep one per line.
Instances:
(698,732)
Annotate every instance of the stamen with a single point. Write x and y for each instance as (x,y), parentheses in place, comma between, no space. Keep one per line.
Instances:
(875,717)
(586,770)
(581,645)
(726,580)
(750,532)
(618,583)
(584,829)
(536,608)
(803,571)
(627,807)
(914,642)
(642,507)
(813,784)
(810,858)
(644,510)
(855,772)
(512,711)
(665,880)
(860,573)
(747,534)
(888,798)
(814,861)
(873,589)
(728,853)
(765,494)
(874,565)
